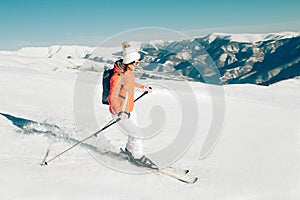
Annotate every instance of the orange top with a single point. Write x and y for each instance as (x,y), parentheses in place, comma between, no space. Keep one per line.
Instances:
(121,95)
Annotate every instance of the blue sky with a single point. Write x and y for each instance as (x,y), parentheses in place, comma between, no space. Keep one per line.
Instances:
(88,22)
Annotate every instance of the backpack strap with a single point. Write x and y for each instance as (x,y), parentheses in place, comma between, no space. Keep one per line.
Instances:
(123,78)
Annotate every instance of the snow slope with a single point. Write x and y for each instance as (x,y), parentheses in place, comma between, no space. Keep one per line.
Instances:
(256,158)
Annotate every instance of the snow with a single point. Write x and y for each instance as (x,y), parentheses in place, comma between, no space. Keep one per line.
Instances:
(257,156)
(52,51)
(223,57)
(252,38)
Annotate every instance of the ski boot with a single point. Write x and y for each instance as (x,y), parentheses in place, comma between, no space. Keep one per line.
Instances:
(143,161)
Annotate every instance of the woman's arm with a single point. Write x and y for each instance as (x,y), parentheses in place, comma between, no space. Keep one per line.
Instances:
(115,86)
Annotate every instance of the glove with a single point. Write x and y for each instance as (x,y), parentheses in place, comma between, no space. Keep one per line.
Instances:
(147,89)
(123,115)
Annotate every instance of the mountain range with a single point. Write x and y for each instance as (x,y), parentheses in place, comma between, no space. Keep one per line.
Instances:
(228,59)
(217,58)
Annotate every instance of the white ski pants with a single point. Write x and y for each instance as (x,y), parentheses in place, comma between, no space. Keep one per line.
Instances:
(134,133)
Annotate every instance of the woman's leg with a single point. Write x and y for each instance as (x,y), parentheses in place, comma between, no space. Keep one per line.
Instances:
(134,142)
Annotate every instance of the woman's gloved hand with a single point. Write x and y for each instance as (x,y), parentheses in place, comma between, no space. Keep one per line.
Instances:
(147,89)
(122,115)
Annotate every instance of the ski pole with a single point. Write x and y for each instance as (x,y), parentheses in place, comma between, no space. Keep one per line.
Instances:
(142,95)
(45,162)
(79,142)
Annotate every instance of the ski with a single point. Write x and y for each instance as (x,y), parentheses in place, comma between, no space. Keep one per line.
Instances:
(176,170)
(186,178)
(176,173)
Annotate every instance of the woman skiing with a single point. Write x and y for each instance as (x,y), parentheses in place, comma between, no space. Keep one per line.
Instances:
(121,101)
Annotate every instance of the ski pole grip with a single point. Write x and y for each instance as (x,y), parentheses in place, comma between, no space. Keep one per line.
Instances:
(142,95)
(147,91)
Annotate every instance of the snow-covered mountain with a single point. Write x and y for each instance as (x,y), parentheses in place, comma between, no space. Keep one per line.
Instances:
(237,58)
(251,38)
(51,52)
(240,58)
